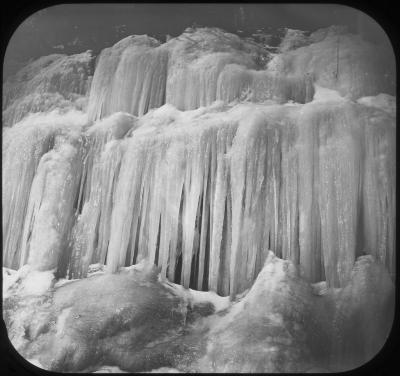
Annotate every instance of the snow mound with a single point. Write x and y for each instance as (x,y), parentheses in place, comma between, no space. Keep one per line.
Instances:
(26,282)
(323,94)
(281,325)
(382,101)
(109,369)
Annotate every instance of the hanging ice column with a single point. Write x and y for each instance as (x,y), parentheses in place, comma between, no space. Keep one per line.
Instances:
(91,233)
(50,212)
(41,165)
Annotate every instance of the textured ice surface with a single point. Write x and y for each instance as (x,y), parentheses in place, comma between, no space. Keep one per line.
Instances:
(71,327)
(134,322)
(340,61)
(51,82)
(385,102)
(282,326)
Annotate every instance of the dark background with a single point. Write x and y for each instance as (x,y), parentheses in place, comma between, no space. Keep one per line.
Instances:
(74,28)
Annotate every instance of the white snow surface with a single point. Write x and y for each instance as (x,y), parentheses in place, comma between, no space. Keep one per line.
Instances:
(26,281)
(381,101)
(109,369)
(326,95)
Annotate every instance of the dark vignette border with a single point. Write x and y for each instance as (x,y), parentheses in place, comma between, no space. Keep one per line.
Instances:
(383,12)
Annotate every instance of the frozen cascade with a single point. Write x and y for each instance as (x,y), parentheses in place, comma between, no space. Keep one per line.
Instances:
(208,64)
(190,71)
(202,193)
(205,188)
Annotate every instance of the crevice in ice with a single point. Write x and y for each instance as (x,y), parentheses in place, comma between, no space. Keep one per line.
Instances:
(178,269)
(156,261)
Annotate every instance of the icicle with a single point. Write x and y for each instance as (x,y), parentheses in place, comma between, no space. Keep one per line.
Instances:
(20,161)
(49,216)
(23,147)
(192,191)
(309,218)
(378,195)
(224,139)
(339,158)
(101,167)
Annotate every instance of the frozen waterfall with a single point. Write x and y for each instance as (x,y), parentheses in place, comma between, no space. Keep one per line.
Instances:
(200,159)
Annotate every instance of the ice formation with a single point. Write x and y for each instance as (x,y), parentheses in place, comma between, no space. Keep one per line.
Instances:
(40,161)
(190,71)
(51,82)
(118,87)
(200,159)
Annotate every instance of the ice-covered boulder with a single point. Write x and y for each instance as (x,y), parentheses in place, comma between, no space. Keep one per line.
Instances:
(283,325)
(133,321)
(127,319)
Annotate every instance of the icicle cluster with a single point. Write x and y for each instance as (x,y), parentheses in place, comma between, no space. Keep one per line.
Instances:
(204,65)
(190,71)
(203,193)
